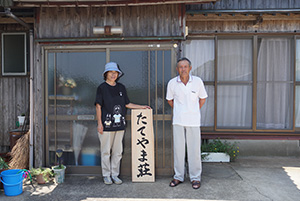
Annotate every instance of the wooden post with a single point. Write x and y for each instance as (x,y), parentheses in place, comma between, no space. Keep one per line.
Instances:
(142,145)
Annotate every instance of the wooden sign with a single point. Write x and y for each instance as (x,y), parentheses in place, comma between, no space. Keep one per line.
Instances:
(142,146)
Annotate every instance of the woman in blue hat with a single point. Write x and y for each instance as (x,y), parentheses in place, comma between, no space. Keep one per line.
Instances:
(111,103)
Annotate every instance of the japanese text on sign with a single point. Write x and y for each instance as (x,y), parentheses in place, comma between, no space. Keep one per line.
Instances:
(143,169)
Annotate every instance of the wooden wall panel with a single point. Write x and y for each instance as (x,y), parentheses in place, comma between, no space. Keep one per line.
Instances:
(14,94)
(38,102)
(136,21)
(239,23)
(270,26)
(14,98)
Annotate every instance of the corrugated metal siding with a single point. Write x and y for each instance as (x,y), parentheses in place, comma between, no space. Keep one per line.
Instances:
(136,21)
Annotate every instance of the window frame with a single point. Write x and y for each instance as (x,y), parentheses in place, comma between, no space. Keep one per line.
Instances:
(255,38)
(3,73)
(293,60)
(296,83)
(235,83)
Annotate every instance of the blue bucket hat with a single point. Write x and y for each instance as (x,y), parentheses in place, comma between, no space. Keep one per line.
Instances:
(112,66)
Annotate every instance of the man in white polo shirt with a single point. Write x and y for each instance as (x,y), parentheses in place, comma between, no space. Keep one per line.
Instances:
(186,95)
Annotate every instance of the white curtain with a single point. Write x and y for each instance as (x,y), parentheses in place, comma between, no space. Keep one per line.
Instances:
(202,55)
(234,97)
(275,84)
(297,124)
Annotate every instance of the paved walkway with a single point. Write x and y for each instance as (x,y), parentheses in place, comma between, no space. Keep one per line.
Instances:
(249,178)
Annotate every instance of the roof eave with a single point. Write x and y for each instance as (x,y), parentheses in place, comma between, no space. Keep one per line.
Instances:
(35,3)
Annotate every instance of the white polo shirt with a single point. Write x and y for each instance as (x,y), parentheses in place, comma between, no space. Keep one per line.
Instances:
(186,108)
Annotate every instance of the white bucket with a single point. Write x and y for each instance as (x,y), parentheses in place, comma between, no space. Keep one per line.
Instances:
(21,120)
(59,174)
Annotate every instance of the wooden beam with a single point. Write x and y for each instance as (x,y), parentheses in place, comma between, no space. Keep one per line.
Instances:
(79,3)
(250,135)
(240,17)
(6,20)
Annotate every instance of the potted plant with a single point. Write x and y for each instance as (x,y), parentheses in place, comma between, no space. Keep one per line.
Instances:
(219,151)
(3,166)
(59,170)
(42,175)
(66,85)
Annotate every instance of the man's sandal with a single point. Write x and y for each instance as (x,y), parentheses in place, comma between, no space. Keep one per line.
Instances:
(175,182)
(196,184)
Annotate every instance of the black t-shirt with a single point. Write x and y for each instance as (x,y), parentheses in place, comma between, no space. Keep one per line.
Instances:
(112,100)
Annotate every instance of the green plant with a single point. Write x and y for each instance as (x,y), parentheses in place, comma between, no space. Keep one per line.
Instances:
(59,167)
(66,82)
(217,145)
(46,172)
(3,164)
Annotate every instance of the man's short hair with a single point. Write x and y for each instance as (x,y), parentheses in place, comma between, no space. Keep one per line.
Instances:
(184,59)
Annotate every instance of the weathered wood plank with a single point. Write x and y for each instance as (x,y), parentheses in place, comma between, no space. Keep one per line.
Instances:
(38,109)
(268,26)
(13,97)
(5,20)
(241,17)
(136,21)
(142,145)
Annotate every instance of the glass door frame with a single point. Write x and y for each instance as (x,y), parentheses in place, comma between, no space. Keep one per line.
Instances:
(106,48)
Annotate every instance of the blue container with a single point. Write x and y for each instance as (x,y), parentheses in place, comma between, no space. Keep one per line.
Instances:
(12,181)
(88,159)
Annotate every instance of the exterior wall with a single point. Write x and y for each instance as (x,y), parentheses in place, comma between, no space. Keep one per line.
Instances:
(14,96)
(240,23)
(247,26)
(268,147)
(136,21)
(62,23)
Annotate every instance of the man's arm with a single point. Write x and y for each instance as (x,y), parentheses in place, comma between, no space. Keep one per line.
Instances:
(201,102)
(171,103)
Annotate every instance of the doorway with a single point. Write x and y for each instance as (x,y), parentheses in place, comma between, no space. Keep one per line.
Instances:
(72,77)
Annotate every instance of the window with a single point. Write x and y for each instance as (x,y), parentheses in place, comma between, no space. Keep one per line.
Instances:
(234,83)
(252,92)
(14,54)
(274,84)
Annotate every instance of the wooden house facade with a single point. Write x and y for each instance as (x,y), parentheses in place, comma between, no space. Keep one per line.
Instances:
(247,53)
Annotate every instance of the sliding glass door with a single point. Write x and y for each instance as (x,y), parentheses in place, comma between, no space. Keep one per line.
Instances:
(72,79)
